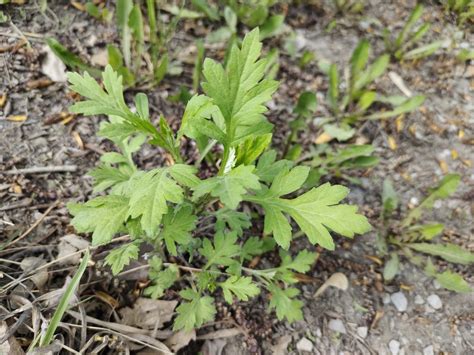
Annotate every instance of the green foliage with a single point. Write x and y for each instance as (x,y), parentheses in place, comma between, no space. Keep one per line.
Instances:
(349,6)
(359,100)
(464,9)
(404,45)
(407,237)
(131,19)
(203,223)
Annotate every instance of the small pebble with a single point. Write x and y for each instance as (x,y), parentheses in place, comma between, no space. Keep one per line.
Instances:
(419,299)
(428,350)
(399,301)
(304,345)
(394,347)
(362,331)
(434,301)
(337,326)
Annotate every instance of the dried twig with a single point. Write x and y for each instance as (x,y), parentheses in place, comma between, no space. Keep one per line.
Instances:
(42,169)
(38,221)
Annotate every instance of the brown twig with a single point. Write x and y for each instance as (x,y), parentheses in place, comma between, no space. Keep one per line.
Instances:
(38,221)
(42,169)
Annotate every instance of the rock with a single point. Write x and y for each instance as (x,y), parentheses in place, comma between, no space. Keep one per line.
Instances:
(337,326)
(419,299)
(428,350)
(386,298)
(399,301)
(434,301)
(394,346)
(362,331)
(304,345)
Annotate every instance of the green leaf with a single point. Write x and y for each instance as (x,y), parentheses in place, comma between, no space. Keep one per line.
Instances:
(284,303)
(453,281)
(210,11)
(359,59)
(123,9)
(239,90)
(333,93)
(64,302)
(104,216)
(149,196)
(445,188)
(272,26)
(449,252)
(306,105)
(414,16)
(120,257)
(177,228)
(301,263)
(256,246)
(316,212)
(184,175)
(408,106)
(106,176)
(242,287)
(70,59)
(373,71)
(389,198)
(252,148)
(161,280)
(231,187)
(423,51)
(232,220)
(428,231)
(340,132)
(195,313)
(268,167)
(391,267)
(222,251)
(366,100)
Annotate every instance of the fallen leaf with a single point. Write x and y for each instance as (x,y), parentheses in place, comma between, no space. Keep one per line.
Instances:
(323,138)
(3,100)
(378,316)
(399,83)
(78,139)
(17,118)
(112,302)
(461,134)
(399,123)
(53,67)
(38,84)
(392,143)
(443,166)
(180,339)
(68,247)
(148,314)
(338,280)
(374,259)
(30,264)
(78,6)
(454,154)
(11,345)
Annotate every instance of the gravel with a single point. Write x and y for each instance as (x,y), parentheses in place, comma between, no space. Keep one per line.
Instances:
(434,301)
(394,346)
(304,344)
(400,301)
(337,326)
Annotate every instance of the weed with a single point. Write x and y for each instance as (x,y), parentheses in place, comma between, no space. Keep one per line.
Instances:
(200,222)
(401,47)
(416,242)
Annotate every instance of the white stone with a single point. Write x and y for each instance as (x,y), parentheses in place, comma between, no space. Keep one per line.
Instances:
(394,347)
(399,301)
(428,350)
(386,298)
(434,301)
(337,326)
(362,331)
(304,345)
(419,299)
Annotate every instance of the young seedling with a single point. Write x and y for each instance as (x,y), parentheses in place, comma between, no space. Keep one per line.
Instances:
(129,61)
(405,45)
(358,100)
(322,158)
(199,222)
(416,241)
(464,9)
(348,6)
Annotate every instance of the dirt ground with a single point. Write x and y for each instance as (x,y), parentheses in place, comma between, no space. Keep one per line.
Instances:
(361,320)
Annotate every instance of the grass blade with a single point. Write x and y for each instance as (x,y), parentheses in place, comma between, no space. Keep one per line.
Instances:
(64,302)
